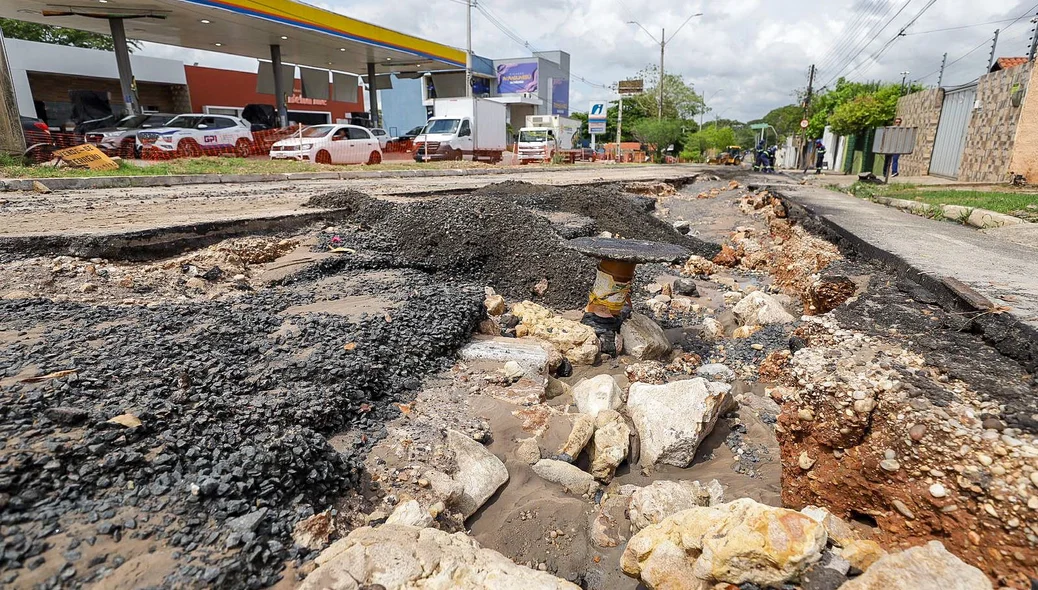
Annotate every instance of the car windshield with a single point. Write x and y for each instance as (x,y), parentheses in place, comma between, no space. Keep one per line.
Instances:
(317,130)
(184,122)
(132,122)
(538,136)
(444,126)
(416,130)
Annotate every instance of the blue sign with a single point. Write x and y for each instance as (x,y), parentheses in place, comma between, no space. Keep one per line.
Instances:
(597,111)
(596,127)
(517,78)
(560,96)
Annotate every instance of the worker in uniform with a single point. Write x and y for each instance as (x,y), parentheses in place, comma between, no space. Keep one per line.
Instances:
(772,157)
(819,156)
(759,156)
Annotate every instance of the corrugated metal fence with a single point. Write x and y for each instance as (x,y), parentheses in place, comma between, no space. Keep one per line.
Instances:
(951,131)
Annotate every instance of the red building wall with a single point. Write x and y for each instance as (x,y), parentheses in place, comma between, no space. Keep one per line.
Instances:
(229,88)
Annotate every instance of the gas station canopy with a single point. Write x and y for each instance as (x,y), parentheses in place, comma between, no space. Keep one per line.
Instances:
(306,35)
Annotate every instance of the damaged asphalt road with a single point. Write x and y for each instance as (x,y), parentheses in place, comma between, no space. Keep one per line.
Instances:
(172,426)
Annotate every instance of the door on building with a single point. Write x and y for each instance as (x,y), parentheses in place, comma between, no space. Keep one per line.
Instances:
(951,131)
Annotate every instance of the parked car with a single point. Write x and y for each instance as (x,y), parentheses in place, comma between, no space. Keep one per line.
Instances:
(39,142)
(330,144)
(122,137)
(403,142)
(35,131)
(381,136)
(195,135)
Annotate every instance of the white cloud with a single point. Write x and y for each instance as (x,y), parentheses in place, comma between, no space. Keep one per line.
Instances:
(754,54)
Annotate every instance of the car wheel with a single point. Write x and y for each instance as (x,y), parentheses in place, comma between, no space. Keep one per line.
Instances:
(323,157)
(374,158)
(188,148)
(243,148)
(459,155)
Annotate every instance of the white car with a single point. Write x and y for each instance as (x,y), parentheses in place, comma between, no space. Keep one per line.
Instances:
(330,144)
(382,137)
(196,135)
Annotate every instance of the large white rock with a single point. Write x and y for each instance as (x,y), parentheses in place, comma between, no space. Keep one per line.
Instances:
(929,567)
(611,443)
(568,476)
(760,309)
(399,557)
(479,472)
(596,394)
(410,513)
(579,435)
(673,419)
(530,354)
(738,542)
(653,503)
(643,338)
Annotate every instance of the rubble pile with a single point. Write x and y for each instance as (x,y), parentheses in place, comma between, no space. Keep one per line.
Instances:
(209,420)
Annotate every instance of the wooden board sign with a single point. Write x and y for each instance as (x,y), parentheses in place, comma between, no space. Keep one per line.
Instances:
(86,156)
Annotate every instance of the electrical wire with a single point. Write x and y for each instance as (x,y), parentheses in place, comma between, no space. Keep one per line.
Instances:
(886,47)
(959,28)
(983,43)
(857,33)
(866,45)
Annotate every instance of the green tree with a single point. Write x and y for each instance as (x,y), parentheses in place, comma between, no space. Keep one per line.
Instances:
(680,100)
(26,31)
(658,134)
(711,137)
(785,120)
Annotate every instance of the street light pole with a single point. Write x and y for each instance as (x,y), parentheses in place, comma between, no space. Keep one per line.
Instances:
(662,41)
(904,77)
(468,48)
(663,45)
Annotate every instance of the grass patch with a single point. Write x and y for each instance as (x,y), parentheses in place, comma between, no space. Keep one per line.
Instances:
(11,168)
(1002,202)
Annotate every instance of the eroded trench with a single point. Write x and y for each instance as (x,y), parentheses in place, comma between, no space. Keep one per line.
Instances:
(219,418)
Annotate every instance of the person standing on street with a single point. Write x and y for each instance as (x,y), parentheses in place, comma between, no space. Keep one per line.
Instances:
(819,156)
(890,164)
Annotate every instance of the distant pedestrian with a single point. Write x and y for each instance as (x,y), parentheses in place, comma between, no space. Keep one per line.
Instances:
(819,156)
(890,163)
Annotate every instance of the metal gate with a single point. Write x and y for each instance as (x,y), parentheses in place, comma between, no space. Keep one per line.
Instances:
(951,131)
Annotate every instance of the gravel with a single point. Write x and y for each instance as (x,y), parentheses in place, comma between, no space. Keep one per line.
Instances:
(235,411)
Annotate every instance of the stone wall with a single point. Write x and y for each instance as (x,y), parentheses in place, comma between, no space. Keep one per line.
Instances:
(992,131)
(921,110)
(1025,148)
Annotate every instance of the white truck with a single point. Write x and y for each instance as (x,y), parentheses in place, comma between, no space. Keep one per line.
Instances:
(463,127)
(546,136)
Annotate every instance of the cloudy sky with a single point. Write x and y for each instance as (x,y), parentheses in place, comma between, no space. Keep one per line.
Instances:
(745,56)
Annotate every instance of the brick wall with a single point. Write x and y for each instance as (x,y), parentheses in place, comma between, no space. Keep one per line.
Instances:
(1025,148)
(921,110)
(992,131)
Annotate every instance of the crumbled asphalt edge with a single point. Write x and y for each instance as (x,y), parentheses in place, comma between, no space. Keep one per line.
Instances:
(1009,337)
(224,407)
(495,235)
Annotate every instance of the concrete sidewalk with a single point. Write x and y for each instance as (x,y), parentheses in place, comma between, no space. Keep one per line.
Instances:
(941,255)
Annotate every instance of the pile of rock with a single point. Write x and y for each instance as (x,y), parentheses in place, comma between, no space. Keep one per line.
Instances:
(744,542)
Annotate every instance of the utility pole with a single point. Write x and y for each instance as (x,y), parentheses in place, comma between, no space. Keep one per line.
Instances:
(663,46)
(468,47)
(940,77)
(904,78)
(807,113)
(619,125)
(994,46)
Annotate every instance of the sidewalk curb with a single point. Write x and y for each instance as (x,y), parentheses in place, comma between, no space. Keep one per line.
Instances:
(104,182)
(1009,333)
(974,216)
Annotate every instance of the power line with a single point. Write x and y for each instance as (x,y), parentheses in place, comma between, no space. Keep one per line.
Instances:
(993,22)
(901,33)
(866,45)
(857,33)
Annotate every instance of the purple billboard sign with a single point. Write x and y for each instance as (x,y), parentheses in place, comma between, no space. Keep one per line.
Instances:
(560,96)
(516,78)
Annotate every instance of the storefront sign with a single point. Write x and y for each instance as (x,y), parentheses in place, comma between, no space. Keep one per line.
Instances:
(596,127)
(86,156)
(516,78)
(296,99)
